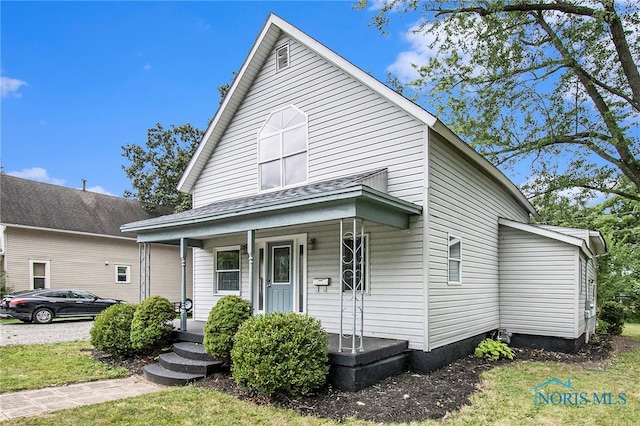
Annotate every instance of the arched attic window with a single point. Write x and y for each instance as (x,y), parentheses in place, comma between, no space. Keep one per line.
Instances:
(282,149)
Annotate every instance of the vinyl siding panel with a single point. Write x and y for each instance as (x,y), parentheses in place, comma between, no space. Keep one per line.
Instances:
(78,261)
(350,130)
(538,293)
(393,308)
(465,202)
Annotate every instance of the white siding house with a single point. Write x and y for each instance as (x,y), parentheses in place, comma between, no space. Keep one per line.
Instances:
(308,151)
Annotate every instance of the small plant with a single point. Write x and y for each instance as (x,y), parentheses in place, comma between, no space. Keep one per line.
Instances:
(4,288)
(602,327)
(151,325)
(493,350)
(613,313)
(280,352)
(111,330)
(223,322)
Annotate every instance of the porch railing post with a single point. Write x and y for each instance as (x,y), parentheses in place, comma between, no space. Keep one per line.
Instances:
(251,243)
(183,287)
(340,283)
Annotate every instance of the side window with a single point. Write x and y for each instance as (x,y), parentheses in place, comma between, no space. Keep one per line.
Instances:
(39,274)
(455,260)
(282,149)
(355,260)
(227,270)
(123,274)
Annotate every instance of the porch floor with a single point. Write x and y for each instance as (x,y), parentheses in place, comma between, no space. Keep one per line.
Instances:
(348,371)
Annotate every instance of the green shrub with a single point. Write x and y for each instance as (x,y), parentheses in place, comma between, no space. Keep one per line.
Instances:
(493,350)
(613,313)
(223,322)
(111,330)
(151,326)
(602,327)
(280,352)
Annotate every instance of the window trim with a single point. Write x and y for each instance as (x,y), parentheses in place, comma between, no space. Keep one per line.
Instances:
(47,273)
(128,274)
(282,157)
(452,240)
(216,250)
(367,265)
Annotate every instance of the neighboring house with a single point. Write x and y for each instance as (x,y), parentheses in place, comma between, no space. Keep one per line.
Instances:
(55,237)
(314,178)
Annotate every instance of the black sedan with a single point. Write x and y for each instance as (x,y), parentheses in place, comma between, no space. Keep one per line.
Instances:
(43,305)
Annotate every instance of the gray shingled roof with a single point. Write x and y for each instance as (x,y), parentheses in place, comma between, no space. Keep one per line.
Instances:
(253,202)
(42,205)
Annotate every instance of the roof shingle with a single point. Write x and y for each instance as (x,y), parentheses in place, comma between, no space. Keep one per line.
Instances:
(28,203)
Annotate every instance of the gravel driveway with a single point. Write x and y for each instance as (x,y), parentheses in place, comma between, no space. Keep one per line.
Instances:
(57,331)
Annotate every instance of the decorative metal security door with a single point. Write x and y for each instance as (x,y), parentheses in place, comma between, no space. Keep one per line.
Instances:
(280,277)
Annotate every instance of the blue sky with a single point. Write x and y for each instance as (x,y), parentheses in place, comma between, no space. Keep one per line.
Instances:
(81,79)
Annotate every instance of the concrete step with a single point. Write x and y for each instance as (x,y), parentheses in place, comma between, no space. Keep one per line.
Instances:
(191,350)
(174,362)
(158,374)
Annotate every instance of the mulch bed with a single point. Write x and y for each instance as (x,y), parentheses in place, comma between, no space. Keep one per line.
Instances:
(404,398)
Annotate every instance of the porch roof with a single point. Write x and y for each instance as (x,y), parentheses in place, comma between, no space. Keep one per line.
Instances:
(340,198)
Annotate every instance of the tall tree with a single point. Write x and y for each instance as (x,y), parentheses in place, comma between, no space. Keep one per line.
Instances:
(551,82)
(156,168)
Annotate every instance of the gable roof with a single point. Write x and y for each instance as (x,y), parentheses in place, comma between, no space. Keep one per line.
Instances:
(262,48)
(583,244)
(26,203)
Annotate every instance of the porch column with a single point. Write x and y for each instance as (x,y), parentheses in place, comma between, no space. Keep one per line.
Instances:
(352,283)
(183,288)
(251,244)
(144,259)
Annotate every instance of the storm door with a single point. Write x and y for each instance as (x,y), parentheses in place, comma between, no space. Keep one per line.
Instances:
(280,277)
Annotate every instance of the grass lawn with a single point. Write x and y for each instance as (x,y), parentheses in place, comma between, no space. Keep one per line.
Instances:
(506,398)
(39,366)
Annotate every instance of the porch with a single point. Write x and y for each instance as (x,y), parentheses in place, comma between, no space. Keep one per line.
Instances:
(348,371)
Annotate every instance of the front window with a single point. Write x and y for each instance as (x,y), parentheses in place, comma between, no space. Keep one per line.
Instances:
(123,274)
(228,270)
(282,149)
(455,260)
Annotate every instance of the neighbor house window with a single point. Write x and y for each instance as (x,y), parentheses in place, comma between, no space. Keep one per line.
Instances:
(282,57)
(123,274)
(455,260)
(282,149)
(39,272)
(227,262)
(357,264)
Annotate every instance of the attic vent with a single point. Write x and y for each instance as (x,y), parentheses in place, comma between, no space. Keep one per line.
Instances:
(282,57)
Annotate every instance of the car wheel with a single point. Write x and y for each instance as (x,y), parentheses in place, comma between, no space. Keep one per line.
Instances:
(188,304)
(42,316)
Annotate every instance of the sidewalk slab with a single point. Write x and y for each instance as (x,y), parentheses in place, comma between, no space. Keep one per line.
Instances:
(38,401)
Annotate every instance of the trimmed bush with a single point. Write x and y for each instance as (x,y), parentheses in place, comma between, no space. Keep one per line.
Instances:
(493,350)
(151,326)
(280,352)
(111,330)
(223,322)
(613,313)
